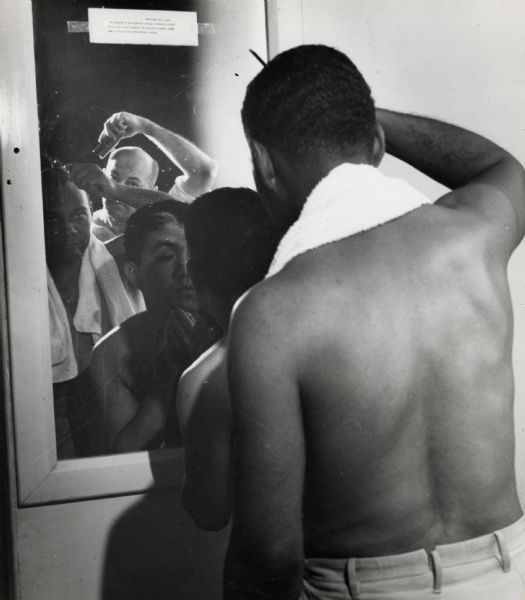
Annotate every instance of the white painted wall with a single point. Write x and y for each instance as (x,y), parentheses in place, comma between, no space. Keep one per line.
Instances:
(228,66)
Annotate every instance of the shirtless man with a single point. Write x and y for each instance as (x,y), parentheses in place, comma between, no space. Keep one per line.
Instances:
(231,240)
(129,179)
(136,367)
(371,374)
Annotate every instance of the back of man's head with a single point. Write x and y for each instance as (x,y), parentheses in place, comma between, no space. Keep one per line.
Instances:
(146,220)
(231,240)
(309,102)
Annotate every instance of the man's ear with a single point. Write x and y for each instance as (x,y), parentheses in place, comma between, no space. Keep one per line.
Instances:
(131,272)
(379,145)
(263,164)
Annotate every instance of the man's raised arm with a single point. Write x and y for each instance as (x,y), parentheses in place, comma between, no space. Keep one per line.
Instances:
(484,177)
(198,168)
(92,179)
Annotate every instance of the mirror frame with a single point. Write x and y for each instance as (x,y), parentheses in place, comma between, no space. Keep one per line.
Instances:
(41,479)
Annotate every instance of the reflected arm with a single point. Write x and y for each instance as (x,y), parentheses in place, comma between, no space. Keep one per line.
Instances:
(92,179)
(117,404)
(199,170)
(130,423)
(136,197)
(148,421)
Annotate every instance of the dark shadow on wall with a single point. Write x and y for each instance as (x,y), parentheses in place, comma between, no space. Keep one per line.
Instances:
(154,552)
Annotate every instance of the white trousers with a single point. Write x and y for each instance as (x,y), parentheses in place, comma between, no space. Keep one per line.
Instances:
(490,567)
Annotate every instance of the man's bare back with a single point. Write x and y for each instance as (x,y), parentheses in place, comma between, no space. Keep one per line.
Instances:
(396,381)
(371,374)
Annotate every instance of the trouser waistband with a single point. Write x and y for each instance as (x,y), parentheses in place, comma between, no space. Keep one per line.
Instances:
(498,544)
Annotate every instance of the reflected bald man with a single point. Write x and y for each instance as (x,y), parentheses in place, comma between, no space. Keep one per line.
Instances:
(130,166)
(128,181)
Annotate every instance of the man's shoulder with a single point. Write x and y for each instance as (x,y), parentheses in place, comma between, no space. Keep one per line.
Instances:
(450,227)
(269,308)
(108,352)
(288,293)
(202,371)
(121,339)
(206,363)
(272,288)
(259,297)
(486,210)
(136,326)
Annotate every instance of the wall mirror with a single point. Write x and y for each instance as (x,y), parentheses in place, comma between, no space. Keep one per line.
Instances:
(62,88)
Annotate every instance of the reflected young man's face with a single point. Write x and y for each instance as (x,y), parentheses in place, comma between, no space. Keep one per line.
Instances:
(161,273)
(67,220)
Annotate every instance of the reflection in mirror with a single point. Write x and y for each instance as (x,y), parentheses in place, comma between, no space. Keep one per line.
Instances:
(121,160)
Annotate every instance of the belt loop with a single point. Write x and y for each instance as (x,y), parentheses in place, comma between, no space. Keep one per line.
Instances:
(437,571)
(504,556)
(351,578)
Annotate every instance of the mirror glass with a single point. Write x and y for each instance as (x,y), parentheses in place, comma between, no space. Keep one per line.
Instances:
(125,123)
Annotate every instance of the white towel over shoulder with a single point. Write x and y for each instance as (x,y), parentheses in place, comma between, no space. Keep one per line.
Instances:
(350,199)
(99,278)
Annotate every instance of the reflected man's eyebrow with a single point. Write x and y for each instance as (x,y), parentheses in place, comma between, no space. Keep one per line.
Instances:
(168,244)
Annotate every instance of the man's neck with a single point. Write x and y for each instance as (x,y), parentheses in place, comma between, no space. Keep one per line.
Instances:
(65,272)
(297,181)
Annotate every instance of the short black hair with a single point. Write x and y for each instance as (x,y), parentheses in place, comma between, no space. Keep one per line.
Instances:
(147,219)
(53,178)
(231,240)
(309,100)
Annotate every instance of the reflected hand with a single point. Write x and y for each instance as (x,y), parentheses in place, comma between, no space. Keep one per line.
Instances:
(92,179)
(119,126)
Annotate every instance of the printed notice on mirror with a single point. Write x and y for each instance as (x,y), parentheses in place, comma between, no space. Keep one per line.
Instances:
(151,27)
